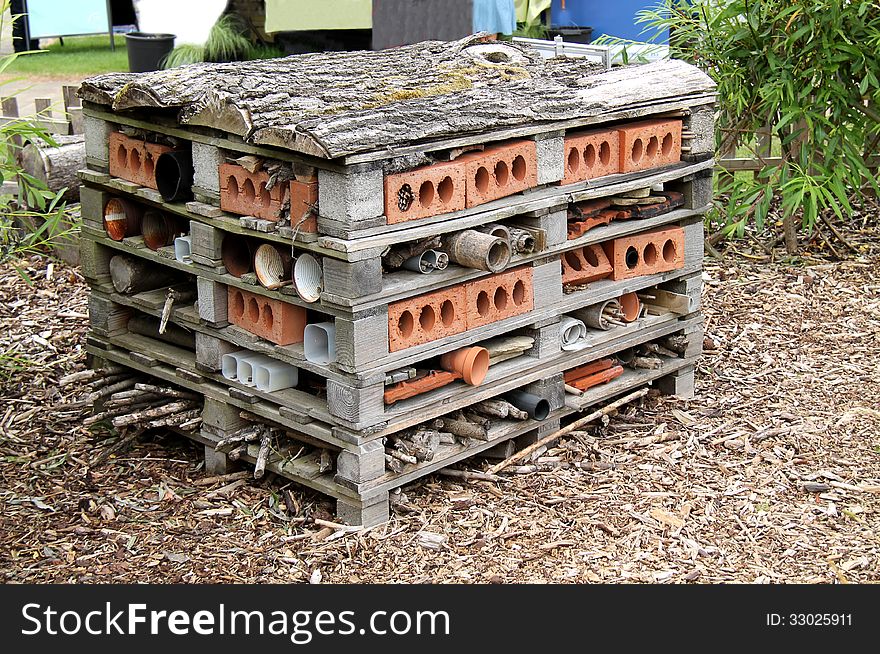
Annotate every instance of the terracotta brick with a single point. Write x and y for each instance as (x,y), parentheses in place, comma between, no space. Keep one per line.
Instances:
(591,154)
(647,253)
(274,320)
(649,144)
(426,191)
(426,318)
(499,297)
(135,160)
(245,193)
(304,196)
(499,171)
(585,264)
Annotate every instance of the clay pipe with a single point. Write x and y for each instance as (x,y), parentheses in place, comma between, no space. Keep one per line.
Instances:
(122,218)
(474,249)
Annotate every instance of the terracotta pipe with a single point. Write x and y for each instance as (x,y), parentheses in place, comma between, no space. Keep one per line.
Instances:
(237,254)
(122,218)
(159,229)
(472,363)
(630,306)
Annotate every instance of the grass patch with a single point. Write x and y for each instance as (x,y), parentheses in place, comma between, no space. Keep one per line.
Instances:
(80,55)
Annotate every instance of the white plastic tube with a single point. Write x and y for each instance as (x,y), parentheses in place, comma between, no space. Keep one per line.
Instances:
(229,363)
(319,342)
(571,331)
(275,376)
(183,249)
(308,277)
(247,367)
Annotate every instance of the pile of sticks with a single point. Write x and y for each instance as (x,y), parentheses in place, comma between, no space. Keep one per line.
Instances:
(130,401)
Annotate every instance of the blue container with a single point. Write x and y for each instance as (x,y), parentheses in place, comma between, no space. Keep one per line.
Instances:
(616,18)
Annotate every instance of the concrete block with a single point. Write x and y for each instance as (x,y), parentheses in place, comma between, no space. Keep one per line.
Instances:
(551,159)
(207,160)
(352,196)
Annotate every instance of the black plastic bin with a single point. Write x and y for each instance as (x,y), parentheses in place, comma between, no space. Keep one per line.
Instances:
(573,34)
(146,51)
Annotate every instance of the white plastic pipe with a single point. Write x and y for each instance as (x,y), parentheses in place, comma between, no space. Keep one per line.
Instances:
(247,367)
(571,331)
(319,342)
(183,249)
(275,376)
(229,363)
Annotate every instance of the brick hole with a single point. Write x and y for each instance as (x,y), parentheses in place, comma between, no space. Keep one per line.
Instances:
(238,305)
(669,251)
(149,165)
(650,254)
(483,304)
(482,180)
(590,155)
(605,153)
(631,258)
(405,197)
(122,156)
(519,168)
(574,160)
(426,193)
(447,313)
(427,318)
(591,257)
(249,191)
(265,196)
(268,317)
(405,324)
(638,150)
(519,292)
(134,160)
(653,147)
(232,187)
(666,147)
(500,299)
(573,260)
(502,174)
(445,189)
(253,309)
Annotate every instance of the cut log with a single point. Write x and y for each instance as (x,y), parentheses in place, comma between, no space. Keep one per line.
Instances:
(462,428)
(135,275)
(57,166)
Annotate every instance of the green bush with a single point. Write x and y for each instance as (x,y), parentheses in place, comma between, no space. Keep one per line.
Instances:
(807,69)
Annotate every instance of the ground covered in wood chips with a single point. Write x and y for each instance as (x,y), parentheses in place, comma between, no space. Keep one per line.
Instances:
(772,474)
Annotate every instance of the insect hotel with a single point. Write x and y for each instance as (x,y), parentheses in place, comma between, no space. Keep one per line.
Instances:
(369,266)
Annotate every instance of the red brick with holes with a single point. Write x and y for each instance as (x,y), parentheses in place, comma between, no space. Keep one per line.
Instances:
(591,154)
(423,192)
(246,194)
(426,318)
(276,321)
(649,144)
(586,264)
(647,253)
(499,297)
(135,160)
(499,171)
(303,199)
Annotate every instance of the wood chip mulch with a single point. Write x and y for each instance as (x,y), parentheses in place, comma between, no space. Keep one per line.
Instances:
(772,474)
